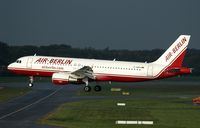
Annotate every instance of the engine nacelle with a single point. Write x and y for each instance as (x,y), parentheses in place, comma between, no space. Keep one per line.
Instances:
(63,78)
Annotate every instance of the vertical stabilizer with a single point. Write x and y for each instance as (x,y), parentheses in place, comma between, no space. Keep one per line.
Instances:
(174,55)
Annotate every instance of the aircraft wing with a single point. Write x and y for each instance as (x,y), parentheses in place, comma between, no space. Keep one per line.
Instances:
(83,72)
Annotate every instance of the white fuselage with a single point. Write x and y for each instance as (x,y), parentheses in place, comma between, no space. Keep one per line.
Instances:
(76,70)
(102,69)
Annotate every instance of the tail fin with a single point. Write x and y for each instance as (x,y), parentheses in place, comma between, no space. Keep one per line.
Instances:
(174,55)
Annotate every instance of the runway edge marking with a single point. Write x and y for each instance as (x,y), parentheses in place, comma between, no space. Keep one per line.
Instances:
(27,106)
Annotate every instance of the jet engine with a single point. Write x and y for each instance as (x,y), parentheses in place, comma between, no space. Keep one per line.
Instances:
(63,78)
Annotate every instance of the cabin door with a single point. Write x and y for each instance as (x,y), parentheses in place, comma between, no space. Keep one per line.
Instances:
(150,70)
(29,62)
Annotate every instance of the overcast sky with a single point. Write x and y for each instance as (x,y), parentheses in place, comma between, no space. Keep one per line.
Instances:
(117,24)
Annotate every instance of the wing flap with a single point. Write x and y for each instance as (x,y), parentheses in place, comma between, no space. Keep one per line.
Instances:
(83,72)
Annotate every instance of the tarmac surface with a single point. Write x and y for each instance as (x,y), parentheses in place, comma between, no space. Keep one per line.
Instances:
(24,111)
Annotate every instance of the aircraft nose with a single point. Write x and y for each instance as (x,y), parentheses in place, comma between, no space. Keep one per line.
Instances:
(9,67)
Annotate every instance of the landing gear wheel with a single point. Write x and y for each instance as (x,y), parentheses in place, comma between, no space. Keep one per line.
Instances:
(87,88)
(30,81)
(30,84)
(97,88)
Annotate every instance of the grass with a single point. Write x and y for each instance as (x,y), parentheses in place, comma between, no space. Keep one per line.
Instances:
(169,106)
(166,113)
(9,93)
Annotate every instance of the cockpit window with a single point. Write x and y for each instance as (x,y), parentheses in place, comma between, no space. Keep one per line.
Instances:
(18,61)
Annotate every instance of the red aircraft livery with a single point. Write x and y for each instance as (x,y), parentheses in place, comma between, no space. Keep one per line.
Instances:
(175,48)
(53,61)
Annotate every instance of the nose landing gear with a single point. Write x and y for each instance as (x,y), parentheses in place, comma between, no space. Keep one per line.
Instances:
(30,81)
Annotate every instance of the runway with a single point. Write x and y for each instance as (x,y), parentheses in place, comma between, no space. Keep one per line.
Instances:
(24,111)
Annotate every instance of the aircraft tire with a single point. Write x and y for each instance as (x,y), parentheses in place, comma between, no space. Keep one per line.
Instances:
(97,88)
(87,88)
(30,84)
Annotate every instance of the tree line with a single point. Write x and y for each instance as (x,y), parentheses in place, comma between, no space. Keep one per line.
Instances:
(11,53)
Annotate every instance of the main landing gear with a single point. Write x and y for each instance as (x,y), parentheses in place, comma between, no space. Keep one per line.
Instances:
(87,88)
(30,81)
(97,88)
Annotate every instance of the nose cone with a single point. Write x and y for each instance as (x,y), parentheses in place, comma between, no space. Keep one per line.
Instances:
(10,66)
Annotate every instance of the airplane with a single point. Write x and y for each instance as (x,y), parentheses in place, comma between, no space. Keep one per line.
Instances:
(82,71)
